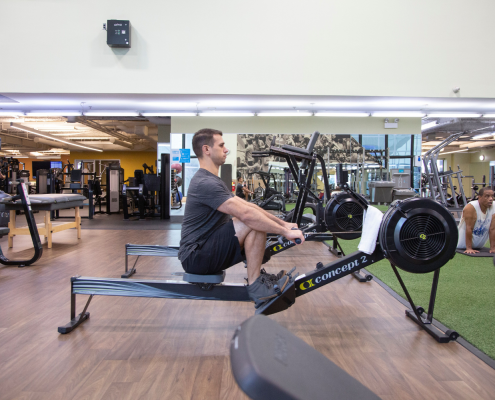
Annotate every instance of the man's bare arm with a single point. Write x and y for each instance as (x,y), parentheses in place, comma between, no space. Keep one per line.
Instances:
(255,218)
(492,235)
(272,217)
(469,214)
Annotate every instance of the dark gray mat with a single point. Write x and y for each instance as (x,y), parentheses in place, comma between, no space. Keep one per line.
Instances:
(483,252)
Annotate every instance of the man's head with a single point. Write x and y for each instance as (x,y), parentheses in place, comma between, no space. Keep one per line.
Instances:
(240,180)
(485,196)
(209,143)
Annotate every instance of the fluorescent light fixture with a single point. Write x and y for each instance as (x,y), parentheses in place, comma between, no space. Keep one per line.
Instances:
(226,114)
(454,115)
(111,113)
(428,125)
(483,135)
(286,114)
(457,151)
(488,115)
(168,114)
(341,114)
(59,113)
(10,113)
(35,132)
(67,134)
(399,114)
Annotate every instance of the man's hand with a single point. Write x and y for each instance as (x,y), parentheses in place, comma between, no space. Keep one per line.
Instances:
(292,235)
(472,251)
(290,225)
(492,250)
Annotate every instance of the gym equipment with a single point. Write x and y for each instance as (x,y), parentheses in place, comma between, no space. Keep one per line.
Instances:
(417,235)
(33,230)
(438,183)
(47,203)
(282,366)
(151,193)
(113,188)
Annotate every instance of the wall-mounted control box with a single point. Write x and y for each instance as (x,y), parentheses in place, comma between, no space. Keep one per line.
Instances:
(118,33)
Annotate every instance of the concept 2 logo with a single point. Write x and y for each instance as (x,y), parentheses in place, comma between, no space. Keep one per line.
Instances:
(335,273)
(285,244)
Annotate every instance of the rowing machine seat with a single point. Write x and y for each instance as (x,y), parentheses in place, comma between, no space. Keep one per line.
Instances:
(193,278)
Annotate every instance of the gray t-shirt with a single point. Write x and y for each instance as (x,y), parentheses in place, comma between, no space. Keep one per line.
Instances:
(206,193)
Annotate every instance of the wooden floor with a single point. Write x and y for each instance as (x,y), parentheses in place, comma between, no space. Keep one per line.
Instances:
(179,349)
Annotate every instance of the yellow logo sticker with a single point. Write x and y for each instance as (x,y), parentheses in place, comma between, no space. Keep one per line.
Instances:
(349,216)
(422,236)
(309,282)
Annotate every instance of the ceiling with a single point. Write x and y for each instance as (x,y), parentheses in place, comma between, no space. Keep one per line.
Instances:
(119,123)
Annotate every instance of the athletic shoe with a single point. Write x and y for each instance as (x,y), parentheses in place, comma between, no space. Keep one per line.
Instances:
(264,289)
(273,277)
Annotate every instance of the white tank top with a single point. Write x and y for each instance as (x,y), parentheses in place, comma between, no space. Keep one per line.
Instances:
(481,227)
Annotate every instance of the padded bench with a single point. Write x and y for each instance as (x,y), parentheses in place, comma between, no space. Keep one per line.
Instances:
(45,203)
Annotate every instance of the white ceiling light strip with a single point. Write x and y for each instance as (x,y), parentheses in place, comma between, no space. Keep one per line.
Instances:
(226,114)
(428,125)
(285,114)
(168,114)
(399,114)
(341,114)
(11,113)
(457,151)
(50,137)
(453,115)
(59,113)
(111,114)
(483,135)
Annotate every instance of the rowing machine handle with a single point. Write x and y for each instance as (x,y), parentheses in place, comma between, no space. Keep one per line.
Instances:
(281,240)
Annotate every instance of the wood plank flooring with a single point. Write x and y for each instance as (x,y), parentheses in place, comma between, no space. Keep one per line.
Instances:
(138,348)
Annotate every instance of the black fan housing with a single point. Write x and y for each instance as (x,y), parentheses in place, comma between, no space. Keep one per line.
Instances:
(344,213)
(418,235)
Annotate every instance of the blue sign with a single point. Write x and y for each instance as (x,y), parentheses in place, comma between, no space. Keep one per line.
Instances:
(401,171)
(185,155)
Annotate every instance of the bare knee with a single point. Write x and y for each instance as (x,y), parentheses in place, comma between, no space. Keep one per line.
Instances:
(241,230)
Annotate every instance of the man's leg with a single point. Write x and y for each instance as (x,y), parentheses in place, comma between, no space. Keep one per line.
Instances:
(253,242)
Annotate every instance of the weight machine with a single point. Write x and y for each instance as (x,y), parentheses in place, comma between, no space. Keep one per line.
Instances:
(440,182)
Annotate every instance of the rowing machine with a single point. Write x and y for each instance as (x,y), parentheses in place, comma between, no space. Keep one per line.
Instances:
(417,235)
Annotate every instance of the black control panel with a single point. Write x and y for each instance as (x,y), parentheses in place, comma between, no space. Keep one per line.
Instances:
(118,33)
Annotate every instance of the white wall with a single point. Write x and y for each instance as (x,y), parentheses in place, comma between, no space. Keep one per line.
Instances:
(318,47)
(324,125)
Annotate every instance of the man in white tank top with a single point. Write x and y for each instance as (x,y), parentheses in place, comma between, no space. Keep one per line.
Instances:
(478,223)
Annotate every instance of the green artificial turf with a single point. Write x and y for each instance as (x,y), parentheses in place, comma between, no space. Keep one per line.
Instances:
(465,299)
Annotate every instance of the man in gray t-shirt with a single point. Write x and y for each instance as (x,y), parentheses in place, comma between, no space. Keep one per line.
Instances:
(212,241)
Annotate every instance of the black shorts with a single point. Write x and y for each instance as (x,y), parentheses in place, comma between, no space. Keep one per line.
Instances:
(220,251)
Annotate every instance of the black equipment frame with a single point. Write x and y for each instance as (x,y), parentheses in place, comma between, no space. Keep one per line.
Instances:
(300,285)
(22,194)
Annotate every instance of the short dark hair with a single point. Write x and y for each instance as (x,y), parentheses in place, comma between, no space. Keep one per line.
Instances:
(203,137)
(239,178)
(483,190)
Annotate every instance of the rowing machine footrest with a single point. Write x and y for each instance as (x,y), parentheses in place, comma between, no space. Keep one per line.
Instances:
(193,278)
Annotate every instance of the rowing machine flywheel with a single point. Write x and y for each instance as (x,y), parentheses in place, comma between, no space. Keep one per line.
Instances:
(418,235)
(344,213)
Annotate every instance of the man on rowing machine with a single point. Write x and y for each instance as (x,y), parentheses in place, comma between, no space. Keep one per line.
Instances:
(212,241)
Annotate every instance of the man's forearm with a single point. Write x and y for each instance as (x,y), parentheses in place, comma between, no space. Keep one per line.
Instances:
(268,215)
(492,239)
(259,220)
(469,239)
